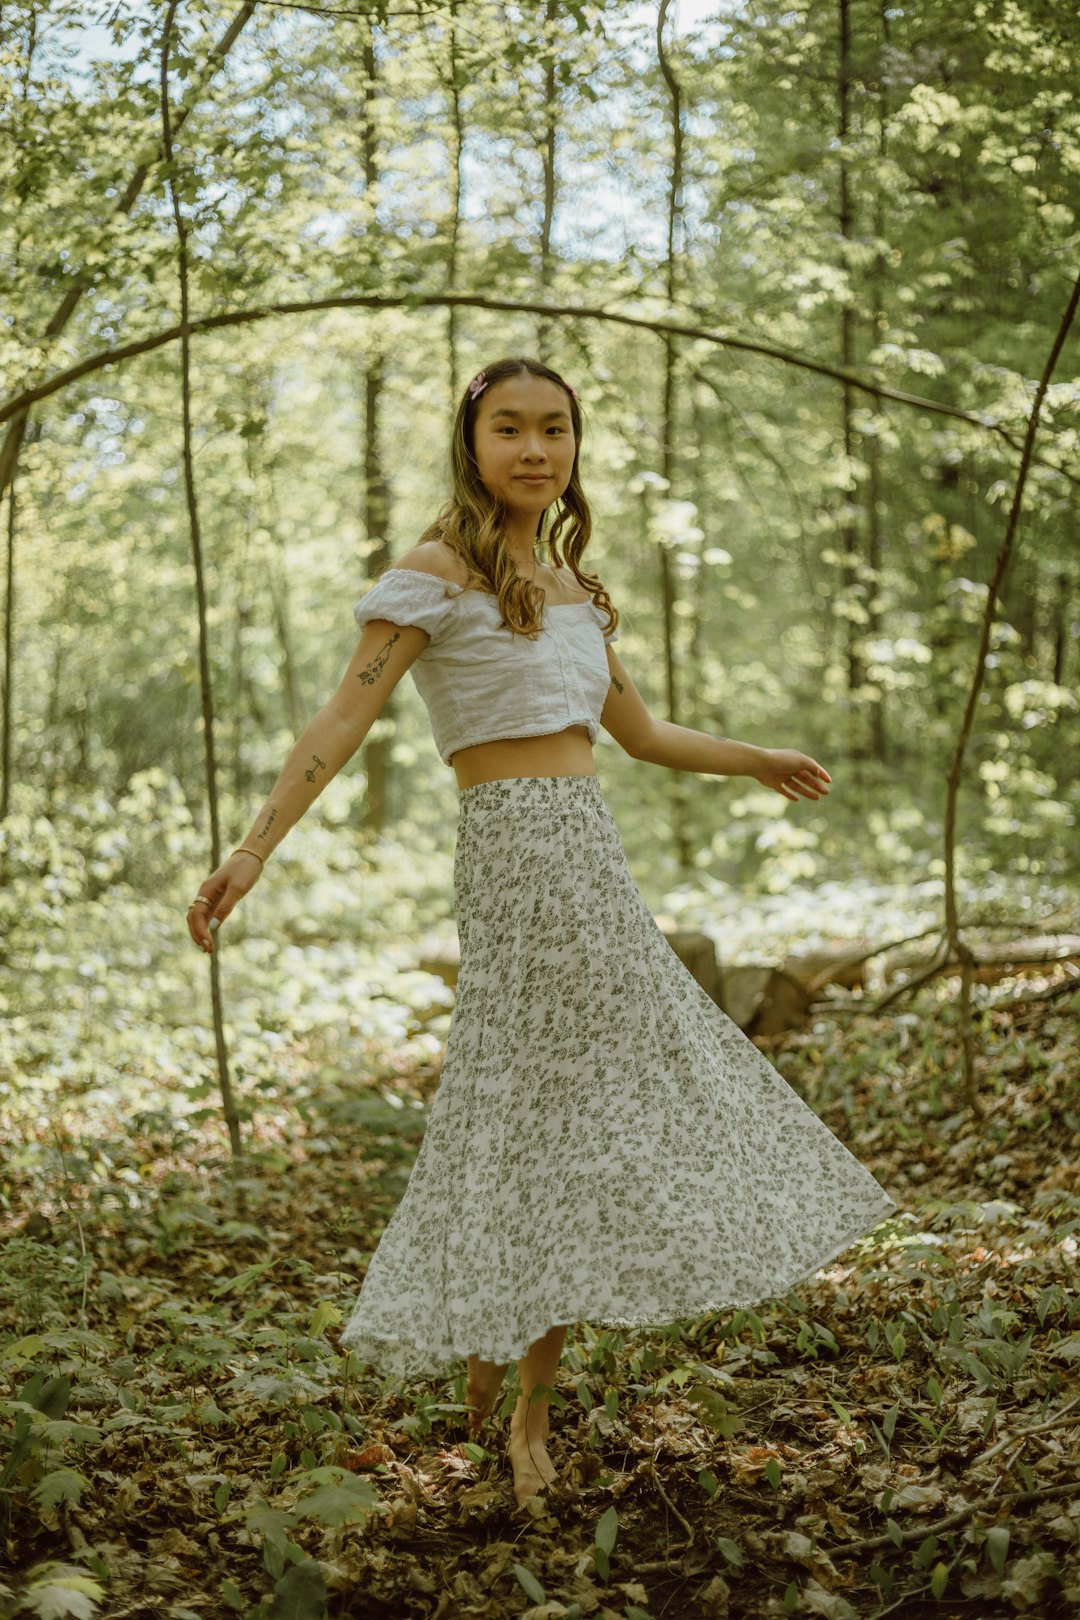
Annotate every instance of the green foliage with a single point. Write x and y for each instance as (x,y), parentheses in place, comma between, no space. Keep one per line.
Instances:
(33,1431)
(528,1583)
(300,1593)
(58,1591)
(827,552)
(731,1550)
(803,542)
(997,1546)
(219,1348)
(713,1410)
(607,1531)
(337,1498)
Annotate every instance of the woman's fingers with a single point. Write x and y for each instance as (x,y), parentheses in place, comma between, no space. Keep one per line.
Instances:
(809,782)
(201,910)
(220,893)
(233,893)
(198,916)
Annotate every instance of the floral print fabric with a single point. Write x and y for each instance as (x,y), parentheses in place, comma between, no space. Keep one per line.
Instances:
(605,1144)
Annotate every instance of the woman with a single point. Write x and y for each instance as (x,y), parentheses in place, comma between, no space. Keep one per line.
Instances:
(605,1144)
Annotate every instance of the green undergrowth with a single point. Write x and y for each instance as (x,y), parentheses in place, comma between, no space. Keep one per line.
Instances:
(175,1414)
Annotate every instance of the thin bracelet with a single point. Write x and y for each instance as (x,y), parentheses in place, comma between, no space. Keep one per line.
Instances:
(242,851)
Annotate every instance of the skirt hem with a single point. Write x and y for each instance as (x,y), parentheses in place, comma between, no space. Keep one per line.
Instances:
(398,1358)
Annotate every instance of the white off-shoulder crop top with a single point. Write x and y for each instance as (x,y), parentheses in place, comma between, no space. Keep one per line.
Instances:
(481,681)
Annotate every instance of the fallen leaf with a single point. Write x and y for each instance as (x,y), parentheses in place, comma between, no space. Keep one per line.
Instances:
(916,1496)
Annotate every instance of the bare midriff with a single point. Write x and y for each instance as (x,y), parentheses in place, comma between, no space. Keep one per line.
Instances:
(557,753)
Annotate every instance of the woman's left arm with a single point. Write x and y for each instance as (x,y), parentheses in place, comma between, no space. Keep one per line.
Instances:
(660,742)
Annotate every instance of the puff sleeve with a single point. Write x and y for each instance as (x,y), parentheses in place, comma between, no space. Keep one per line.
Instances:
(602,619)
(407,596)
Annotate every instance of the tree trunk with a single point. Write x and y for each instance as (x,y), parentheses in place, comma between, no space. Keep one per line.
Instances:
(1062,605)
(551,13)
(377,749)
(229,1108)
(9,655)
(247,700)
(851,557)
(876,484)
(376,505)
(679,797)
(457,146)
(295,707)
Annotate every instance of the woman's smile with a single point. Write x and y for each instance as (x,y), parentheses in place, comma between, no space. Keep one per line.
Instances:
(524,449)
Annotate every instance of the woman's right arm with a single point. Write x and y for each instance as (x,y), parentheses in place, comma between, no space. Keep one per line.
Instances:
(383,654)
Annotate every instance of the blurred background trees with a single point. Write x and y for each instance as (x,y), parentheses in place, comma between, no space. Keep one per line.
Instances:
(798,561)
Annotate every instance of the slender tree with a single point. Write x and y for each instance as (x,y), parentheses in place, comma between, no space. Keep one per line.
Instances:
(547,138)
(875,483)
(850,537)
(232,1116)
(959,950)
(668,425)
(376,491)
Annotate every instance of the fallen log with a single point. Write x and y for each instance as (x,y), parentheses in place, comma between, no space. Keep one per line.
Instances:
(994,958)
(764,999)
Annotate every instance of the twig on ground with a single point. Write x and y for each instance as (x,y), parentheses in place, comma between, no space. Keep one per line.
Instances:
(1038,1428)
(919,1532)
(650,1470)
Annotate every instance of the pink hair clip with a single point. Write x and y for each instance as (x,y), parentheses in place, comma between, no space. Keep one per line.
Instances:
(477,386)
(572,392)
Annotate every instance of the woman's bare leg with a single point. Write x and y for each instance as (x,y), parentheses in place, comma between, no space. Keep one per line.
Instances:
(533,1468)
(485,1381)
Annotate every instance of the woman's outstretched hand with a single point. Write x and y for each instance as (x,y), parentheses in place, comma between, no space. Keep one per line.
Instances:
(218,895)
(793,774)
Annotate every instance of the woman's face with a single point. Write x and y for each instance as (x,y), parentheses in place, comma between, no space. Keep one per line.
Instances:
(523,440)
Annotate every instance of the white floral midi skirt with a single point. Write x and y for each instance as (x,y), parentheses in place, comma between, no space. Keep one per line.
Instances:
(605,1144)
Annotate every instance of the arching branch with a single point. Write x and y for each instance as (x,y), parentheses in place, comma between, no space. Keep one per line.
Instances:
(210,323)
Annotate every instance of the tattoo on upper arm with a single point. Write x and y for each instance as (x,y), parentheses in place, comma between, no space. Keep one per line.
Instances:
(617,684)
(320,763)
(371,674)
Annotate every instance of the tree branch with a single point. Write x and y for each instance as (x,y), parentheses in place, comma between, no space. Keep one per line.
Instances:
(957,947)
(920,1532)
(209,323)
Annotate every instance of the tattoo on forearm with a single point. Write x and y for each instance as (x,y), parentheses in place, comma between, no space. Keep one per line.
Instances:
(269,822)
(311,774)
(617,684)
(371,674)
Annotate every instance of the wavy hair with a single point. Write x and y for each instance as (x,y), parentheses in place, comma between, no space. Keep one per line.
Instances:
(471,520)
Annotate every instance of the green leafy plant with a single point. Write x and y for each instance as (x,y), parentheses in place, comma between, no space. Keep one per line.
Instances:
(607,1531)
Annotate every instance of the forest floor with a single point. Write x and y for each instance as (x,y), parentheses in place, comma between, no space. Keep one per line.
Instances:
(180,1436)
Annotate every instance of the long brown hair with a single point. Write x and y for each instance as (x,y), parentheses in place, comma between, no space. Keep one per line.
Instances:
(470,522)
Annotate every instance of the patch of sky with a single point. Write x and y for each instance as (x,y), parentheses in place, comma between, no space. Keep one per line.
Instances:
(607,205)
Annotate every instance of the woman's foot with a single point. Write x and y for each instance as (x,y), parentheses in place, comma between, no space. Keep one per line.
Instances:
(485,1381)
(533,1469)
